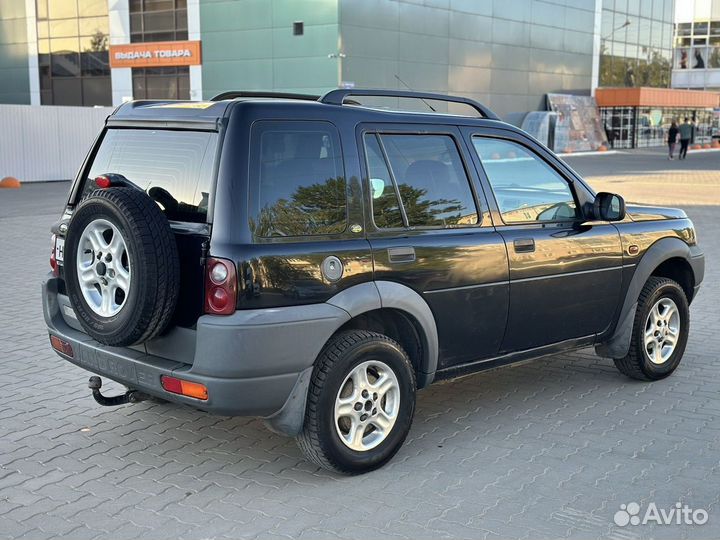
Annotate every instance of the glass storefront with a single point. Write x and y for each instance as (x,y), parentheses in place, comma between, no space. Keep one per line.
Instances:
(159,20)
(641,127)
(635,43)
(73,52)
(161,83)
(697,45)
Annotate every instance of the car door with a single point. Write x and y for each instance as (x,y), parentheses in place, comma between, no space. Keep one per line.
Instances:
(565,271)
(429,230)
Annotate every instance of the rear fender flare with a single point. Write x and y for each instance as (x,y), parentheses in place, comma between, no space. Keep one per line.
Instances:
(355,301)
(361,299)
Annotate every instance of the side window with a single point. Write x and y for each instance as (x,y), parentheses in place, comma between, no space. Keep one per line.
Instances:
(297,183)
(386,210)
(525,187)
(434,188)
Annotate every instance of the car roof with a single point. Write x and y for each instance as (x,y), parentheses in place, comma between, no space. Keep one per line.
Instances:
(208,114)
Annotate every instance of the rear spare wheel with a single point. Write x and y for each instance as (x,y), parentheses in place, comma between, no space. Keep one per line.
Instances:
(122,271)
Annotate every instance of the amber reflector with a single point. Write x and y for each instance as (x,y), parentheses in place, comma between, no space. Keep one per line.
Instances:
(61,346)
(184,388)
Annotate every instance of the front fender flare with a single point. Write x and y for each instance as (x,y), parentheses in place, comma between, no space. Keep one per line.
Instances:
(618,345)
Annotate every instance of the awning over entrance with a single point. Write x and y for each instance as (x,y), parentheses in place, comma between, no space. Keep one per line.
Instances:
(656,97)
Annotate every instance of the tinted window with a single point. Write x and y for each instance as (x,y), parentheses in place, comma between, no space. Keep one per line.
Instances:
(297,180)
(525,187)
(386,210)
(175,168)
(433,186)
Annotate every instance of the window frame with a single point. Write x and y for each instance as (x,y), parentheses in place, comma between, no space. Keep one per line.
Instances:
(380,129)
(580,192)
(393,181)
(254,183)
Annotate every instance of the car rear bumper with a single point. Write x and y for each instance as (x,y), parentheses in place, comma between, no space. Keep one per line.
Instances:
(250,362)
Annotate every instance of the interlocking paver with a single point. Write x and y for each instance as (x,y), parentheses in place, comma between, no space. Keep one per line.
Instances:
(546,449)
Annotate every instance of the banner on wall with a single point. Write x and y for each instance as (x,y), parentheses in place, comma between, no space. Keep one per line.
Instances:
(579,128)
(155,54)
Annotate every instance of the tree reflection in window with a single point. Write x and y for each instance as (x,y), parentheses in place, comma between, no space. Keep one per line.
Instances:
(315,209)
(297,183)
(430,177)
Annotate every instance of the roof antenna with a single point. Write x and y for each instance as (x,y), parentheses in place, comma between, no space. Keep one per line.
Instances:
(421,99)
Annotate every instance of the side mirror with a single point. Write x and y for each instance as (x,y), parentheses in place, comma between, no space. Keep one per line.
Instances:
(609,207)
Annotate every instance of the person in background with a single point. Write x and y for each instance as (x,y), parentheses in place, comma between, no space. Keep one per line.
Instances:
(685,136)
(699,62)
(610,135)
(672,139)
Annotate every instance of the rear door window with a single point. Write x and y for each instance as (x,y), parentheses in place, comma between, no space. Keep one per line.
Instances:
(386,209)
(297,183)
(428,174)
(175,168)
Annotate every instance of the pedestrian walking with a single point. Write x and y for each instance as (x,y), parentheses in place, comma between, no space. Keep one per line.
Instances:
(685,136)
(672,139)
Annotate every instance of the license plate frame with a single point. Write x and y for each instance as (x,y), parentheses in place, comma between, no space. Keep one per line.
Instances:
(60,250)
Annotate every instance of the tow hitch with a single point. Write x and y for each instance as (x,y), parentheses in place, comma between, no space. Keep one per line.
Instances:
(131,396)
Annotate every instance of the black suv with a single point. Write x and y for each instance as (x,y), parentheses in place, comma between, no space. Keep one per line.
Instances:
(316,261)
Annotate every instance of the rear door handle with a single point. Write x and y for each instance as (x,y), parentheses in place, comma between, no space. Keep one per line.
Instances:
(524,245)
(401,254)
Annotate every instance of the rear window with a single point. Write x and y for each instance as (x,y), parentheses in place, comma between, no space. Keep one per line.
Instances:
(175,168)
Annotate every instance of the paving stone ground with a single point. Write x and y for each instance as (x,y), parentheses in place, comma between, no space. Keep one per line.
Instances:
(548,449)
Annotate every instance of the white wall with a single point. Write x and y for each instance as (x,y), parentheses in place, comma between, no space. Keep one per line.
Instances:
(47,143)
(698,79)
(193,14)
(121,78)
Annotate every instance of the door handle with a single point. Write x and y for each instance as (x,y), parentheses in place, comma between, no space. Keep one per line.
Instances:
(524,245)
(401,254)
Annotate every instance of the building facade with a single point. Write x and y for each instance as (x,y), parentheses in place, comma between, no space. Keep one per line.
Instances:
(508,55)
(696,62)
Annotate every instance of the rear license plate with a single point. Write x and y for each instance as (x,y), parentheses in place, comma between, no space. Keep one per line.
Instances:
(59,249)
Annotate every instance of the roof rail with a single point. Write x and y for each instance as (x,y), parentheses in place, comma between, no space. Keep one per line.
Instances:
(232,94)
(337,97)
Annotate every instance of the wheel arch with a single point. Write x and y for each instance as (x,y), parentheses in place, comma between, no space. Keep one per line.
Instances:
(371,305)
(405,314)
(678,269)
(668,257)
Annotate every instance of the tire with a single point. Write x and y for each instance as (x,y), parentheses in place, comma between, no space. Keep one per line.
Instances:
(638,363)
(143,302)
(346,353)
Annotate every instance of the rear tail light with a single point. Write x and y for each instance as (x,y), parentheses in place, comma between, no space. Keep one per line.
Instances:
(184,388)
(61,346)
(103,182)
(220,287)
(53,260)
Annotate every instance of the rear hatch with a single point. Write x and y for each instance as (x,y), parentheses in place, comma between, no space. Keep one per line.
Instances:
(176,168)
